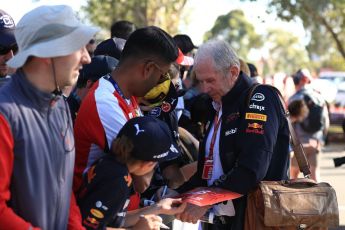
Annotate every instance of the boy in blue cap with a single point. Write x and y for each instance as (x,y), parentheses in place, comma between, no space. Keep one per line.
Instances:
(104,195)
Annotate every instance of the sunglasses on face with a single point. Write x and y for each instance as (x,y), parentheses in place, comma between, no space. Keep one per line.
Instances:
(5,49)
(164,75)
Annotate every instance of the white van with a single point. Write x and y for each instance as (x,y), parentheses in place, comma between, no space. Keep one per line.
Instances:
(335,77)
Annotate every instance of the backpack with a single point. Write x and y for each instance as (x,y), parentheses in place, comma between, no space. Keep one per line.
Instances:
(314,122)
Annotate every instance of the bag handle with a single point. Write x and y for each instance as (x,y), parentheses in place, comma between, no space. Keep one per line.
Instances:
(298,181)
(296,144)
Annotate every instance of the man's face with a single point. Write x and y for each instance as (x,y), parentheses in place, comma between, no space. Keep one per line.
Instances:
(153,72)
(6,53)
(215,83)
(67,67)
(146,167)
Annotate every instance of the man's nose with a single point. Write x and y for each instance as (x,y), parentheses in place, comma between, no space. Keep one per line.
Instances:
(86,59)
(204,88)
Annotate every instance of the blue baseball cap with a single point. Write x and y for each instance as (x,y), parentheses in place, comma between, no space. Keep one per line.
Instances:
(152,139)
(7,27)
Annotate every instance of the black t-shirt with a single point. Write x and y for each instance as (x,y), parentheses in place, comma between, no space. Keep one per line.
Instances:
(104,197)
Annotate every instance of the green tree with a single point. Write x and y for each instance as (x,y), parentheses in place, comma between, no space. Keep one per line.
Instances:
(323,19)
(237,30)
(162,13)
(286,52)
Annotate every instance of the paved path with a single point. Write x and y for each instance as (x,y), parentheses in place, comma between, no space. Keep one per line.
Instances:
(334,176)
(330,174)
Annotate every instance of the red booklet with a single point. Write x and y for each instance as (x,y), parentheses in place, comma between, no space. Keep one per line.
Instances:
(203,196)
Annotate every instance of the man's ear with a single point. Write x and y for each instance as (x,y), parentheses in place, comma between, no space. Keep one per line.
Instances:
(148,68)
(234,70)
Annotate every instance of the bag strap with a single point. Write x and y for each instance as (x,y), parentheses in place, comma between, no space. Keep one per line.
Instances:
(297,147)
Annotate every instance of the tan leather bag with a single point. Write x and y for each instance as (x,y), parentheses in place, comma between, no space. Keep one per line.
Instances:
(292,204)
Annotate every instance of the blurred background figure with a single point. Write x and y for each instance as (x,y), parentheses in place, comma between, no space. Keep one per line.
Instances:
(244,67)
(122,29)
(91,46)
(8,45)
(254,73)
(113,46)
(184,42)
(311,130)
(90,73)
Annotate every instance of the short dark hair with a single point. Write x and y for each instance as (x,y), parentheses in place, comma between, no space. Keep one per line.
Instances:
(184,42)
(122,29)
(150,42)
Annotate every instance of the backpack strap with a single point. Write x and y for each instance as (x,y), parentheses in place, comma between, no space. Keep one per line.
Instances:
(297,147)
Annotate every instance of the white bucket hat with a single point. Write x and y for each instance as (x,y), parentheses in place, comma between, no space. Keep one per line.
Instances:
(49,31)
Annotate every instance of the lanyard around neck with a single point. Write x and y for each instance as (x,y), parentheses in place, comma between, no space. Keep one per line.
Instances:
(116,86)
(217,122)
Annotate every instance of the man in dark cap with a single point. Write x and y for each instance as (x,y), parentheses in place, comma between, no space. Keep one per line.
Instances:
(122,29)
(184,42)
(100,65)
(111,47)
(8,45)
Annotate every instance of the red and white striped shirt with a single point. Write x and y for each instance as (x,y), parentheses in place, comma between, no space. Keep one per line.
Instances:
(102,114)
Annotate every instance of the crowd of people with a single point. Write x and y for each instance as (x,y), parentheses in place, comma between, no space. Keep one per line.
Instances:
(106,135)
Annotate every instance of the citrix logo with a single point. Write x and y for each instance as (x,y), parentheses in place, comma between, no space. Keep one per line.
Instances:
(258,107)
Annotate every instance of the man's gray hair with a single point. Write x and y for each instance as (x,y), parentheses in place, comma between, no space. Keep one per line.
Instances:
(220,52)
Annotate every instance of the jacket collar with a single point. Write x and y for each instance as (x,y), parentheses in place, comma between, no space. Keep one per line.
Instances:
(42,100)
(243,82)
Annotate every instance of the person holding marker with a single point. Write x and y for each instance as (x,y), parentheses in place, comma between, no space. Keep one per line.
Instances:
(106,188)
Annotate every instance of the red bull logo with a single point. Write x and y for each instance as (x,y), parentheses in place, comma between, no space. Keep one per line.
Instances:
(255,126)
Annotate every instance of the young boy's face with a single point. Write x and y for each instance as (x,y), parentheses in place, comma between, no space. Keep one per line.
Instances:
(145,168)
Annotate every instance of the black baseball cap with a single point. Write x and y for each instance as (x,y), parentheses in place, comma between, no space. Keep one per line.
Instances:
(112,47)
(184,42)
(7,27)
(99,66)
(152,139)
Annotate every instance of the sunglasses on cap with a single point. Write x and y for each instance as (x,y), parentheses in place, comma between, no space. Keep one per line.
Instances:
(5,49)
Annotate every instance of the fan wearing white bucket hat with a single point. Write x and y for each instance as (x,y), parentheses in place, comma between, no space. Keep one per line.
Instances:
(36,134)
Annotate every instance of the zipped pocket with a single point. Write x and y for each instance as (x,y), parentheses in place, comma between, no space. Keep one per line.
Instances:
(301,203)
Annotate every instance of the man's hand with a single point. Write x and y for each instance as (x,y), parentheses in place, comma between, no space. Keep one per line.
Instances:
(148,222)
(192,213)
(169,206)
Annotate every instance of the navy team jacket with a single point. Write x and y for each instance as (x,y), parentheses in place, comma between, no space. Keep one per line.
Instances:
(254,142)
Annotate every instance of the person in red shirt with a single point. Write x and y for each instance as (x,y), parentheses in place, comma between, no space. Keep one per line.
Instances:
(146,57)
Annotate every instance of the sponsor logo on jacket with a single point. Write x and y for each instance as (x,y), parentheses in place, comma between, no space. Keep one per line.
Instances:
(256,116)
(255,131)
(97,213)
(231,131)
(255,126)
(257,107)
(258,97)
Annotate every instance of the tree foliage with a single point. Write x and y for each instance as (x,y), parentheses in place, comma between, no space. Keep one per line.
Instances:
(237,30)
(323,19)
(162,13)
(286,51)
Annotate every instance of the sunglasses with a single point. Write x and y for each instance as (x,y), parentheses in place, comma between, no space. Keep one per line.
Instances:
(5,49)
(164,76)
